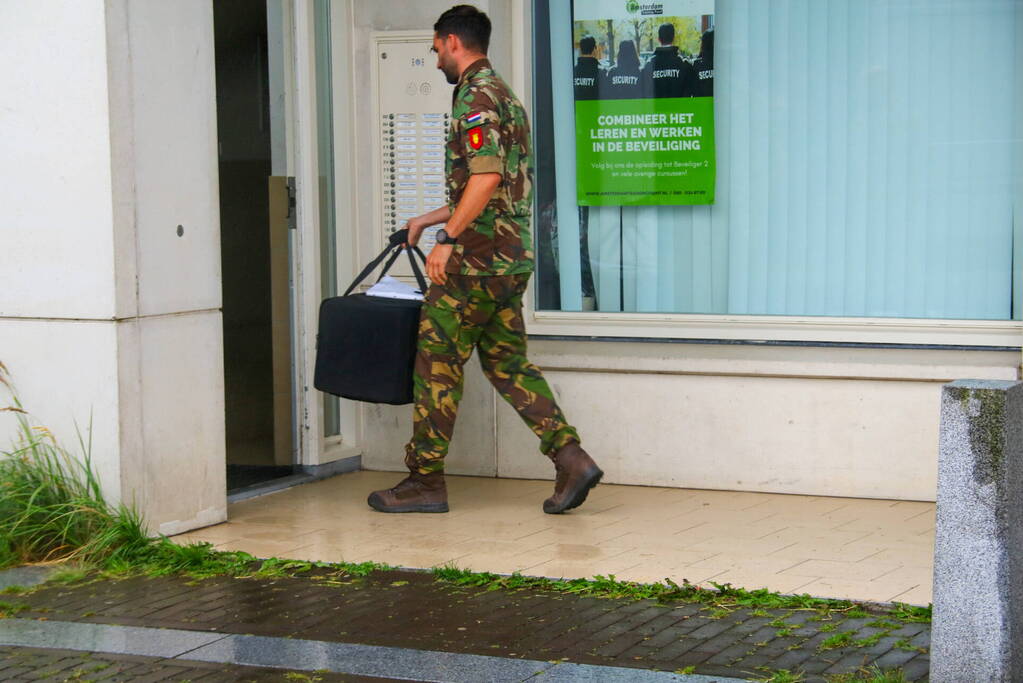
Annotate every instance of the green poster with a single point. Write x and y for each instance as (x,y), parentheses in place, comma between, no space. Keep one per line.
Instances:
(644,102)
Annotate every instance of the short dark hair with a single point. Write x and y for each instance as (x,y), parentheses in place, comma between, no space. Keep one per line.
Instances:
(587,45)
(470,25)
(666,34)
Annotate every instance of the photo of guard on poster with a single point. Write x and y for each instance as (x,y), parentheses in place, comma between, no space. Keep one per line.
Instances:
(644,102)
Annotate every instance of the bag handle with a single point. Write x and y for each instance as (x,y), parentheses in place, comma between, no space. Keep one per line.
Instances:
(396,244)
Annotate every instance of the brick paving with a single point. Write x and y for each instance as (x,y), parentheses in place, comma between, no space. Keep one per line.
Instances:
(414,610)
(19,664)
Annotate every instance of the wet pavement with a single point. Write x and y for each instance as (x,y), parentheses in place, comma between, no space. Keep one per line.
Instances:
(391,622)
(856,549)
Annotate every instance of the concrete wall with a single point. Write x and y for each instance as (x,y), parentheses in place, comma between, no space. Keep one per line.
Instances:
(109,309)
(57,294)
(817,421)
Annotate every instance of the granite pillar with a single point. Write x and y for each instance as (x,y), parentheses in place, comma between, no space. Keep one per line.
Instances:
(978,556)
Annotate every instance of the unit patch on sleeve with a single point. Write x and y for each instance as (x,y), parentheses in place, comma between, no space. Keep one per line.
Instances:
(476,137)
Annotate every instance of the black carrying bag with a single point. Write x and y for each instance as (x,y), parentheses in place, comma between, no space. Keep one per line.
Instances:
(366,345)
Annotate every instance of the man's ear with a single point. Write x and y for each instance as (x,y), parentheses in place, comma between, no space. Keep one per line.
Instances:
(454,43)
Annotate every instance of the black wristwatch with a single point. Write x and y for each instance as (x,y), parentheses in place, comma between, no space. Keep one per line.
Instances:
(444,238)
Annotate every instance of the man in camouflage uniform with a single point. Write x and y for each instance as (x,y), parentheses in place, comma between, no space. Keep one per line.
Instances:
(479,270)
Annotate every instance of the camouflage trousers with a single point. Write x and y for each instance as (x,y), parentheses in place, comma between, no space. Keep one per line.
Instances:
(485,313)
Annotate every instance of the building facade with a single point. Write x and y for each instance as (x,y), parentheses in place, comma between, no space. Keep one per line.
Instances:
(161,281)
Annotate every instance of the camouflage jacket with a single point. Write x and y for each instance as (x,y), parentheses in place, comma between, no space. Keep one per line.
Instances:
(490,134)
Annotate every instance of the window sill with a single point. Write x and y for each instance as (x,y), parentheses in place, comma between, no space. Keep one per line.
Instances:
(981,334)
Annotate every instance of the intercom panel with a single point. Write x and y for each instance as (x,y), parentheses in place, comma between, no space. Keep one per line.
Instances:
(413,109)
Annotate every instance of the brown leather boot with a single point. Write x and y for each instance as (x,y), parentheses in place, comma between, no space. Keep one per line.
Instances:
(415,493)
(577,474)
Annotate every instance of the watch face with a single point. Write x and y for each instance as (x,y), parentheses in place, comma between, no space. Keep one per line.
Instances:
(442,236)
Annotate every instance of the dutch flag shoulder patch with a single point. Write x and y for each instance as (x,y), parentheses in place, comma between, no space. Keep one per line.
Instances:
(474,119)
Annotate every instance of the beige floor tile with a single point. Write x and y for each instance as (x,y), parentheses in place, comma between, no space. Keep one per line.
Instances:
(756,580)
(800,534)
(909,574)
(230,531)
(320,553)
(915,556)
(678,558)
(708,530)
(919,523)
(748,564)
(795,519)
(354,553)
(724,544)
(853,571)
(284,549)
(640,494)
(824,549)
(842,590)
(514,551)
(658,573)
(727,500)
(496,563)
(717,515)
(419,559)
(635,532)
(497,530)
(891,586)
(799,505)
(582,552)
(440,542)
(896,537)
(659,545)
(918,595)
(582,533)
(915,506)
(577,570)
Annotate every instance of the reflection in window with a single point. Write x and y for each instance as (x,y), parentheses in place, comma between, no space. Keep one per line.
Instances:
(868,165)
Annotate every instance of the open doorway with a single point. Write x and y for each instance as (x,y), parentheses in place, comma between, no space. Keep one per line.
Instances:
(254,253)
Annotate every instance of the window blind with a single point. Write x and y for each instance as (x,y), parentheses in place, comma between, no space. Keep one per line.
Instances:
(868,165)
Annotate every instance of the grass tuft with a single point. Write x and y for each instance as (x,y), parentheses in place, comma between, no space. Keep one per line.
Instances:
(52,507)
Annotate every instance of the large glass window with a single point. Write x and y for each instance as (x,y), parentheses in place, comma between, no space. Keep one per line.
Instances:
(868,164)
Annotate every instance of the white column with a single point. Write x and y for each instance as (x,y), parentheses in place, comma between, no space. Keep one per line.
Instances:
(110,265)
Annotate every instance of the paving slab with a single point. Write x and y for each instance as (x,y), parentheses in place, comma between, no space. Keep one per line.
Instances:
(25,576)
(409,610)
(129,640)
(21,664)
(296,655)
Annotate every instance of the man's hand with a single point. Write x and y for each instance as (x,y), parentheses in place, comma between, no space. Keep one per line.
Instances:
(415,227)
(437,261)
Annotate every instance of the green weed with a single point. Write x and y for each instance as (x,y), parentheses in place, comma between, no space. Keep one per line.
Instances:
(870,641)
(871,674)
(51,504)
(836,641)
(782,676)
(9,609)
(911,613)
(904,644)
(884,623)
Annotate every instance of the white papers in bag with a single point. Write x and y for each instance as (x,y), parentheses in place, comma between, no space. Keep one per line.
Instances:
(390,288)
